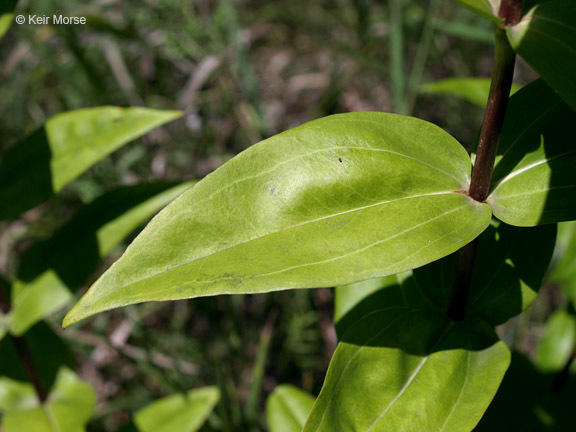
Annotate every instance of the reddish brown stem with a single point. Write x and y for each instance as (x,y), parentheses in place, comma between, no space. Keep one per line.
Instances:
(504,60)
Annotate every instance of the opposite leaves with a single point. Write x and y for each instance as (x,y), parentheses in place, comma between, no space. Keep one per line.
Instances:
(340,199)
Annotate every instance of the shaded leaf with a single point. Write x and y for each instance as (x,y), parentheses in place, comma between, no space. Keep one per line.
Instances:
(546,39)
(486,8)
(349,300)
(49,353)
(67,145)
(529,402)
(287,408)
(564,269)
(340,199)
(534,181)
(518,259)
(473,90)
(406,366)
(557,343)
(68,408)
(179,412)
(53,269)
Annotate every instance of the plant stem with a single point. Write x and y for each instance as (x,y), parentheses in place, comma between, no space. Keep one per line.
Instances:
(504,59)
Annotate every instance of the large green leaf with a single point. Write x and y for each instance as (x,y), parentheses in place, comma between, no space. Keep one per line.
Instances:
(406,366)
(340,199)
(68,408)
(67,145)
(558,342)
(486,8)
(53,269)
(473,90)
(179,412)
(287,408)
(546,39)
(534,181)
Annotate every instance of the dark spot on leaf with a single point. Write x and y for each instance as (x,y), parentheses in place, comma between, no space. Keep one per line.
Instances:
(272,190)
(340,159)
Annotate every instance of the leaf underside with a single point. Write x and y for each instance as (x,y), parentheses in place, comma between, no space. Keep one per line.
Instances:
(340,199)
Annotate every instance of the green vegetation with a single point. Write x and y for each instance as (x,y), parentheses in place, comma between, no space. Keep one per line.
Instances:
(437,238)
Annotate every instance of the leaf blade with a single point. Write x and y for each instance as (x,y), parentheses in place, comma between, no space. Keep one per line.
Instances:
(68,144)
(533,181)
(304,209)
(545,39)
(287,408)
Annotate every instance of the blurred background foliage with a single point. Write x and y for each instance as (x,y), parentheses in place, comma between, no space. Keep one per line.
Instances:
(241,71)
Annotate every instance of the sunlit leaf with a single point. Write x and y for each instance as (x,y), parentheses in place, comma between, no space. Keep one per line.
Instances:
(68,144)
(287,409)
(68,408)
(473,90)
(180,412)
(52,270)
(338,200)
(6,15)
(534,181)
(486,8)
(546,39)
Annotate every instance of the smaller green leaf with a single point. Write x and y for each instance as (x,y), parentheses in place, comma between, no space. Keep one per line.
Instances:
(16,395)
(533,181)
(68,408)
(6,15)
(179,412)
(485,8)
(557,343)
(53,269)
(546,39)
(287,408)
(67,145)
(36,300)
(564,268)
(473,90)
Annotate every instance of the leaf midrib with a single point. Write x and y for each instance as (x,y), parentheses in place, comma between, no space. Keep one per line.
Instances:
(287,229)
